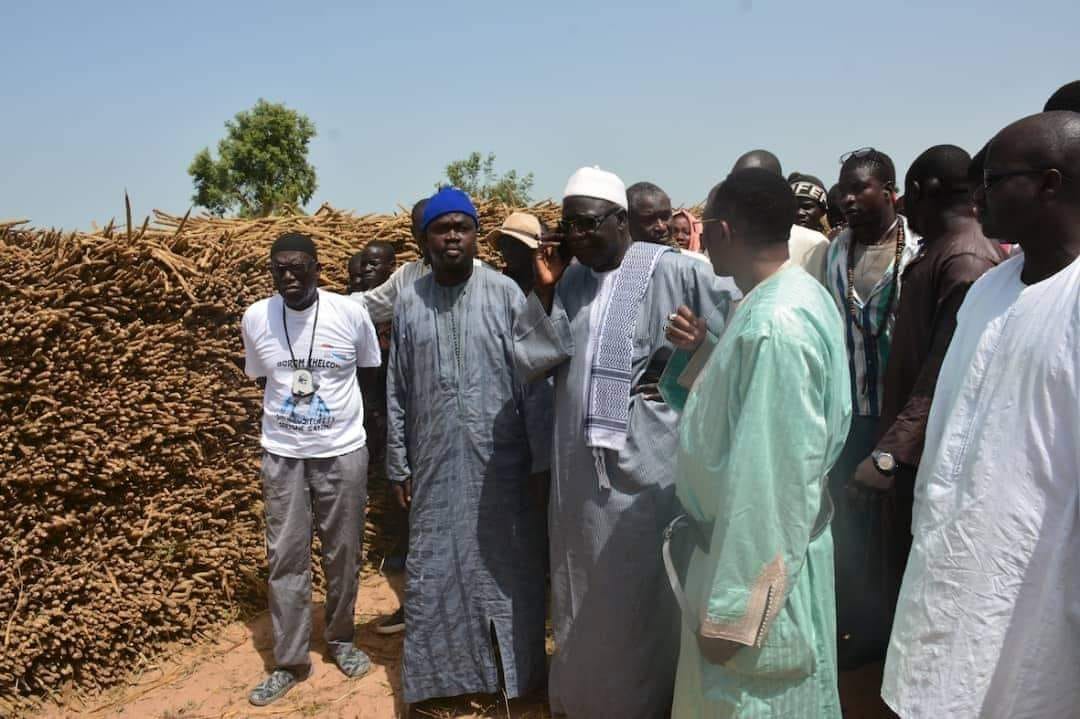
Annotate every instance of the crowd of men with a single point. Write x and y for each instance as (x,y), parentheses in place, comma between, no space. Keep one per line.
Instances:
(817,433)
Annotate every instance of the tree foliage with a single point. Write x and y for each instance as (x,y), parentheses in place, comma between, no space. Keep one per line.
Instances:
(262,163)
(476,175)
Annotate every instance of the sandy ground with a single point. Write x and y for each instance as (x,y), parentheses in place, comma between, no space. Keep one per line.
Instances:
(211,680)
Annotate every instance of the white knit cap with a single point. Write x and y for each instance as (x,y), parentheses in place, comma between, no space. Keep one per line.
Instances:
(594,182)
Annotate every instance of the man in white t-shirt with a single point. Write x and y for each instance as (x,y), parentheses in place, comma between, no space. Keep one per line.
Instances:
(308,344)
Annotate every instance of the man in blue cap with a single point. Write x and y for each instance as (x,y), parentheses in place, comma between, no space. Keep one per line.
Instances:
(380,301)
(458,455)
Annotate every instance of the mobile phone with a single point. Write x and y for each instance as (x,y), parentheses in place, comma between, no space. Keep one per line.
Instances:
(657,362)
(564,247)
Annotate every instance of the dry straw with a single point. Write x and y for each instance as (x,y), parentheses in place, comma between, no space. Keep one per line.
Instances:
(130,492)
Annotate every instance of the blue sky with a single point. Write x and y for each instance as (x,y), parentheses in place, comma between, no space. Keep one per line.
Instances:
(101,96)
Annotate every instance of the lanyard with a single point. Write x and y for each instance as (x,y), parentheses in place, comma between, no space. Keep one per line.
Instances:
(314,325)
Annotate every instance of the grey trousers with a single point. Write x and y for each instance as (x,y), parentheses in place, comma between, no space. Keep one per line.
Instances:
(333,491)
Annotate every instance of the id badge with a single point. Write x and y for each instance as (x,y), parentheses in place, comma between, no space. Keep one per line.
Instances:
(303,384)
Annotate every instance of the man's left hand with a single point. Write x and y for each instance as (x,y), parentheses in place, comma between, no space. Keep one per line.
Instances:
(867,476)
(717,651)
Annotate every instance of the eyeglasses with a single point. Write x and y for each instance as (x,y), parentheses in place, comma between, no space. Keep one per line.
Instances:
(990,178)
(586,224)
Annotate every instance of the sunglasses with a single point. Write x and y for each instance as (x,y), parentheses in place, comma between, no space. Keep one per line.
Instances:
(586,224)
(296,270)
(860,153)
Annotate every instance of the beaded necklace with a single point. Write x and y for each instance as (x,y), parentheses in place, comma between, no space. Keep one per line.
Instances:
(852,307)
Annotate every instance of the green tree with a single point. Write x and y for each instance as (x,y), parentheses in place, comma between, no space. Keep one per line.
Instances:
(476,175)
(262,163)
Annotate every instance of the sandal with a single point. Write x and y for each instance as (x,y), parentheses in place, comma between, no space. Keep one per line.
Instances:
(276,685)
(352,662)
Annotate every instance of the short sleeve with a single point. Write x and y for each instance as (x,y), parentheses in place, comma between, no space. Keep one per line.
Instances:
(253,366)
(367,341)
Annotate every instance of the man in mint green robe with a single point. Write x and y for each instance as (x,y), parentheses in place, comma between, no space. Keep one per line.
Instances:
(762,426)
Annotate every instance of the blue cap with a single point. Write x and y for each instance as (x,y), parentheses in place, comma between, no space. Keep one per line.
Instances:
(445,201)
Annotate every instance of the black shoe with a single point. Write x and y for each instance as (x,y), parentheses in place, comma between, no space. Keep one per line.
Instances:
(394,624)
(394,564)
(276,685)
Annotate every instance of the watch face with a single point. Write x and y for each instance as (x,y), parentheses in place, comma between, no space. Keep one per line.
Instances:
(885,462)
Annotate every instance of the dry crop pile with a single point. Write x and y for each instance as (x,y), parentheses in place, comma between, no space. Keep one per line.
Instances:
(130,494)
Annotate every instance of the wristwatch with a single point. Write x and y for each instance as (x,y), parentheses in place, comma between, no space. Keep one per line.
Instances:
(884,462)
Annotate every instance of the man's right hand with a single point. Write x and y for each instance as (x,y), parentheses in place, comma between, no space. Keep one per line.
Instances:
(403,493)
(549,265)
(685,330)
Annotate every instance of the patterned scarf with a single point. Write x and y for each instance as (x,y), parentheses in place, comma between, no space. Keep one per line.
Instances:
(608,413)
